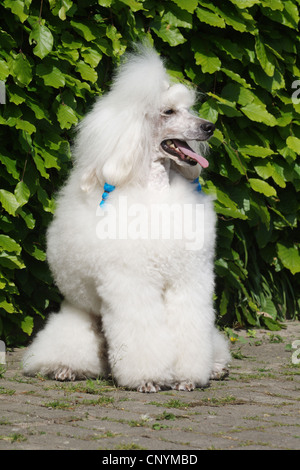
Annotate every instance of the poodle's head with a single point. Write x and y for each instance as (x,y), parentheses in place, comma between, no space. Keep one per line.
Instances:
(144,118)
(181,135)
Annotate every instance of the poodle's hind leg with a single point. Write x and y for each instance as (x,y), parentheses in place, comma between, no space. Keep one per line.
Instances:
(69,347)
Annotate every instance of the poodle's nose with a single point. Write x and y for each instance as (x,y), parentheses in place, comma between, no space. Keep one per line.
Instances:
(208,127)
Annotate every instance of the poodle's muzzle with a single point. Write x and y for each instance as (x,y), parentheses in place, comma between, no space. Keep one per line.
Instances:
(180,149)
(208,129)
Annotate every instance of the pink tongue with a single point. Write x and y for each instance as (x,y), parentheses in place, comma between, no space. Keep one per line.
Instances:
(186,149)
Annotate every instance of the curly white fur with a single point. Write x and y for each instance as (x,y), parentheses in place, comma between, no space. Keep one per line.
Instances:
(138,306)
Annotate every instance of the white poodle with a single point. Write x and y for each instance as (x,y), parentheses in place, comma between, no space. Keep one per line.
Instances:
(136,271)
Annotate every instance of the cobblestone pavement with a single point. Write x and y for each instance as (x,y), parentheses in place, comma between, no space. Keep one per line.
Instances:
(256,407)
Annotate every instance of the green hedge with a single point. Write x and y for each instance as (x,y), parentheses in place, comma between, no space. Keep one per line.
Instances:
(57,55)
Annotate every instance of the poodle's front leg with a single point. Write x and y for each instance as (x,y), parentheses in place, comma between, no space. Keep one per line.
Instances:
(191,318)
(140,348)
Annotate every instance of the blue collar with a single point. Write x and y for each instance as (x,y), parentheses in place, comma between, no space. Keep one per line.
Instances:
(108,188)
(199,188)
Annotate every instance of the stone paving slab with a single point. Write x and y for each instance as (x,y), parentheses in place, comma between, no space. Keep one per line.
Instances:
(256,407)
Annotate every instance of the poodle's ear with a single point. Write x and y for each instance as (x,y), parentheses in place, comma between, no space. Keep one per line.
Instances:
(117,171)
(117,149)
(130,148)
(89,180)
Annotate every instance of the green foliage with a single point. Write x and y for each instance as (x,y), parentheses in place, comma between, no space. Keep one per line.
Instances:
(242,55)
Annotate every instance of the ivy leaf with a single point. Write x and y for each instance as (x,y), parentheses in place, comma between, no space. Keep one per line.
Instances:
(274,4)
(262,187)
(11,166)
(271,170)
(209,112)
(232,17)
(258,113)
(39,110)
(293,143)
(9,244)
(40,165)
(213,19)
(50,161)
(27,325)
(264,171)
(256,151)
(42,36)
(278,175)
(91,56)
(22,193)
(25,126)
(224,204)
(245,3)
(84,30)
(28,218)
(35,252)
(188,5)
(167,32)
(290,257)
(270,323)
(113,34)
(133,4)
(105,3)
(19,7)
(86,71)
(51,75)
(236,159)
(263,57)
(209,62)
(9,201)
(8,307)
(179,18)
(21,69)
(66,5)
(48,204)
(11,261)
(236,77)
(66,116)
(4,70)
(288,16)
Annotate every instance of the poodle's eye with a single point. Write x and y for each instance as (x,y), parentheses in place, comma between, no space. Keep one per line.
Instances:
(169,111)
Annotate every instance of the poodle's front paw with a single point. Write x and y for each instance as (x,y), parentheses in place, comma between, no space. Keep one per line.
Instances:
(148,387)
(64,373)
(219,373)
(185,386)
